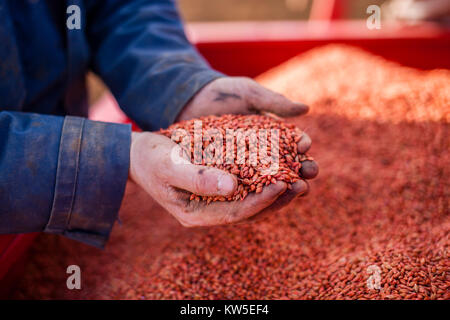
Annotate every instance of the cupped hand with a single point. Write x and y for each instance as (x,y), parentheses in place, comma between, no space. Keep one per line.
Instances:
(171,183)
(241,95)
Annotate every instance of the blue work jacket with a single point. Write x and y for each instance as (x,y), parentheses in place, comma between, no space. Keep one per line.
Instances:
(60,172)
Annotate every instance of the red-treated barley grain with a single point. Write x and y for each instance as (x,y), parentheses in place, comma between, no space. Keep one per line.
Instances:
(251,178)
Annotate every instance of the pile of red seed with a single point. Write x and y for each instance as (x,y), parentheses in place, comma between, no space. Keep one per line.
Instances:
(251,176)
(374,226)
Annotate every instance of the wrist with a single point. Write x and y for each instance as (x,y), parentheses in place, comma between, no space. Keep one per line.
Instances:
(134,153)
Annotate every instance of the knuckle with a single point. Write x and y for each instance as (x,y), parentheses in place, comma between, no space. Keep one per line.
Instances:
(247,80)
(204,180)
(198,183)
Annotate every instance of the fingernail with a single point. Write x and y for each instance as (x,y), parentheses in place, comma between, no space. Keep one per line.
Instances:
(225,184)
(303,188)
(304,144)
(309,169)
(302,106)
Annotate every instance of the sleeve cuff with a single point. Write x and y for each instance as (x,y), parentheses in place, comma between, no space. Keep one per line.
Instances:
(168,96)
(186,90)
(92,172)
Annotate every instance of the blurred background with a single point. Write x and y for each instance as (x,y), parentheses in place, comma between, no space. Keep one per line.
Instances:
(261,10)
(194,11)
(198,12)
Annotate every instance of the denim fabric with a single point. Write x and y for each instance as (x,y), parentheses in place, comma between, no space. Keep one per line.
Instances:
(59,172)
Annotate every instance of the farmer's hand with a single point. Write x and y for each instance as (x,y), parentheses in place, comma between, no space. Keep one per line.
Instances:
(240,95)
(170,183)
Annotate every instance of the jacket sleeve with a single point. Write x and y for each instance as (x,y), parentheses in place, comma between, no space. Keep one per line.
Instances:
(141,52)
(63,175)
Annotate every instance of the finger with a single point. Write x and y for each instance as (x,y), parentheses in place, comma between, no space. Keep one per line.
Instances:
(202,180)
(304,144)
(220,213)
(254,203)
(257,202)
(299,188)
(309,169)
(262,99)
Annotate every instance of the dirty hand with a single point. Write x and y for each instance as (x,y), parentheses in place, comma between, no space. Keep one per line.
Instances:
(170,184)
(240,95)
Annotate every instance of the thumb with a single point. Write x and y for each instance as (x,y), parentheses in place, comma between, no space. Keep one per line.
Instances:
(202,180)
(263,99)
